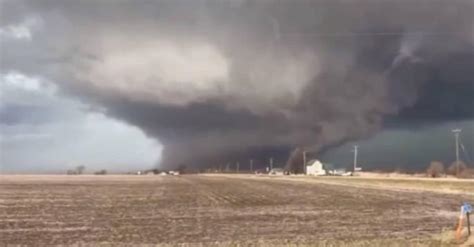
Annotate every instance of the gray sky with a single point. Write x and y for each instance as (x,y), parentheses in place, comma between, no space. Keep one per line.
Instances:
(131,84)
(43,131)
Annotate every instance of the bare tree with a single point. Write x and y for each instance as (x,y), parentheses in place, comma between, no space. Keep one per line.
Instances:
(435,169)
(101,172)
(453,169)
(71,172)
(467,173)
(80,169)
(295,162)
(182,168)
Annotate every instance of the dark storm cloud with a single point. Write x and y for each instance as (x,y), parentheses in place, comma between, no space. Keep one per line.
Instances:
(217,80)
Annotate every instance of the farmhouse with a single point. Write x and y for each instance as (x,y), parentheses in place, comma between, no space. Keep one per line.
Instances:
(315,168)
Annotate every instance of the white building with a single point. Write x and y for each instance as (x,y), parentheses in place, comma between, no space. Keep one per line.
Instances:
(315,168)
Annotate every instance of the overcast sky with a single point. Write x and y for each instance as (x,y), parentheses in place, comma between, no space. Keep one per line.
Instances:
(44,131)
(125,85)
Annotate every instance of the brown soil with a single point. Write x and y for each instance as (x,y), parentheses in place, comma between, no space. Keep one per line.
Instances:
(45,210)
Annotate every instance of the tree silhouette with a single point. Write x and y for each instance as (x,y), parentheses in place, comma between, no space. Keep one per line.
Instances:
(80,169)
(295,162)
(435,169)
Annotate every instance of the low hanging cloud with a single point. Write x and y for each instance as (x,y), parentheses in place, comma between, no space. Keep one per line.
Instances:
(216,81)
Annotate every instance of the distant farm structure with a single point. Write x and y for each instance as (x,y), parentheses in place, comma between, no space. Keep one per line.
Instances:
(315,168)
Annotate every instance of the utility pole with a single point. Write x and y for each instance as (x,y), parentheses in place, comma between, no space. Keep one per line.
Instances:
(304,162)
(251,165)
(271,163)
(456,137)
(355,158)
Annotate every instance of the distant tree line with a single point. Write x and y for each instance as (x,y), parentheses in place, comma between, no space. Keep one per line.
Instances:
(101,172)
(77,171)
(436,169)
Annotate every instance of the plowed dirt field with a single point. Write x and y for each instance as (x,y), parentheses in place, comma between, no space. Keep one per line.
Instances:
(198,209)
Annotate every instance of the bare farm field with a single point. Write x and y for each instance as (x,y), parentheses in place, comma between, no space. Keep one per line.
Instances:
(220,210)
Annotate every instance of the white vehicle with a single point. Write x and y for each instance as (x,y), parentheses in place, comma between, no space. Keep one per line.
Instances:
(277,171)
(174,173)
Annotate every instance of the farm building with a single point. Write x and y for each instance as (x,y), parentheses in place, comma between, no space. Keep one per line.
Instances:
(315,168)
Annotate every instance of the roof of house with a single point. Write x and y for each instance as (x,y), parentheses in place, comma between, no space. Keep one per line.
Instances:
(311,162)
